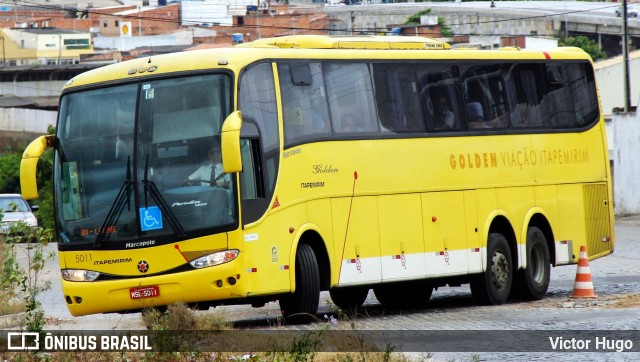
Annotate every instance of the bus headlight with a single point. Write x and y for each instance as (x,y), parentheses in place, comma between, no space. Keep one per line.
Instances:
(218,258)
(76,275)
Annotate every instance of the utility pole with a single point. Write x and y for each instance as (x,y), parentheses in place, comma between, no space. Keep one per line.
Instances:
(625,57)
(139,24)
(59,48)
(352,17)
(258,18)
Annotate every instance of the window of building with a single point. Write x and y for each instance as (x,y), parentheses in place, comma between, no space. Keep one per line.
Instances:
(76,43)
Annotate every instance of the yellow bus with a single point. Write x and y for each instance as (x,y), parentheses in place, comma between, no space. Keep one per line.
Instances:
(348,164)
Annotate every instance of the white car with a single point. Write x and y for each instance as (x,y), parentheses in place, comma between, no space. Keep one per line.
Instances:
(632,11)
(15,209)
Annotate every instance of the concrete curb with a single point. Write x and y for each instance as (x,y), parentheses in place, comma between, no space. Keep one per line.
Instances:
(12,320)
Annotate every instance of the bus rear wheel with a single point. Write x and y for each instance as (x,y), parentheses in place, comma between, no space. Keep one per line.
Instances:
(493,286)
(349,299)
(415,294)
(301,306)
(532,283)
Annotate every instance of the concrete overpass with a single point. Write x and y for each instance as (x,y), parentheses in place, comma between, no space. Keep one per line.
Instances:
(508,18)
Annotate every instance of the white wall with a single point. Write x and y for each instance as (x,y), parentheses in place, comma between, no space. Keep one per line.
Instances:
(206,12)
(623,134)
(26,120)
(41,88)
(609,76)
(124,43)
(535,43)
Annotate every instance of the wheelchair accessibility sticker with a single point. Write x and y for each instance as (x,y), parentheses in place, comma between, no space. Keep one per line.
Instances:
(150,218)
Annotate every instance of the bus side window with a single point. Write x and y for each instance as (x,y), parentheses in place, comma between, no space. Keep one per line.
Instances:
(305,110)
(485,85)
(558,98)
(252,178)
(525,87)
(440,96)
(350,92)
(257,101)
(581,79)
(397,98)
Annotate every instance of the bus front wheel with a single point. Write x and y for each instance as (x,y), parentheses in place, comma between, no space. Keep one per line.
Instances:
(493,286)
(532,283)
(302,305)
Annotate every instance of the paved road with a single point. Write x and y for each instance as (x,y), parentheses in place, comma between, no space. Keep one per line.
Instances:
(616,280)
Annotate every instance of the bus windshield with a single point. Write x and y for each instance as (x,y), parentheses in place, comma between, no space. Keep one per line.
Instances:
(143,160)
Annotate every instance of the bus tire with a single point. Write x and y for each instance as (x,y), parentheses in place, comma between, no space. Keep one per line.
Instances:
(349,299)
(301,306)
(533,281)
(416,294)
(493,286)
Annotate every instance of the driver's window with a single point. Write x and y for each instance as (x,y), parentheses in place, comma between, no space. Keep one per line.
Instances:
(257,101)
(248,174)
(252,189)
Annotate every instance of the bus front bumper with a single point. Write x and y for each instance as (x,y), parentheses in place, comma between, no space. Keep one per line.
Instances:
(200,285)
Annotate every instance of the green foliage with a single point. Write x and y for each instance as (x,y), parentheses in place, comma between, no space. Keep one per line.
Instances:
(179,317)
(586,44)
(301,349)
(10,171)
(45,191)
(415,20)
(11,273)
(45,187)
(10,180)
(445,30)
(25,282)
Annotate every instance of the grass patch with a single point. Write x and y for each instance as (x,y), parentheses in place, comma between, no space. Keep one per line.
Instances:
(165,322)
(10,302)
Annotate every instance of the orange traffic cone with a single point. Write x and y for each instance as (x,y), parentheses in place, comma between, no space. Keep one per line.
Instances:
(583,287)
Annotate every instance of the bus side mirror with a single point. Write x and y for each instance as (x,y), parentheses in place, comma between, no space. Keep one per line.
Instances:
(29,163)
(231,159)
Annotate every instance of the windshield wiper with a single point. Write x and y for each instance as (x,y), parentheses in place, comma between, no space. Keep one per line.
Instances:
(150,187)
(122,199)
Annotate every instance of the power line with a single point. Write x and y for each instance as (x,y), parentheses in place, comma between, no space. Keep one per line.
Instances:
(139,15)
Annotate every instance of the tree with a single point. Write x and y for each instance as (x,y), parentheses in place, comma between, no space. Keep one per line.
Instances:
(10,180)
(10,171)
(415,20)
(586,44)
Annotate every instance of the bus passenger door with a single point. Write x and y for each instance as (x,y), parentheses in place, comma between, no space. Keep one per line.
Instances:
(444,221)
(356,243)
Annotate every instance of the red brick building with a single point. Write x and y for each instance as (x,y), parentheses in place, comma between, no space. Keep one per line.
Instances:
(279,20)
(144,21)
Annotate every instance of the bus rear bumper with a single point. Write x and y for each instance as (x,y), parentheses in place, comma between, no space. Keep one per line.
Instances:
(193,286)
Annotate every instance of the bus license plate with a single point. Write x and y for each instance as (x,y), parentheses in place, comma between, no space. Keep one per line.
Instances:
(144,292)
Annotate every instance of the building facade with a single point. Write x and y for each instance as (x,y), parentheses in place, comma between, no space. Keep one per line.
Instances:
(40,46)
